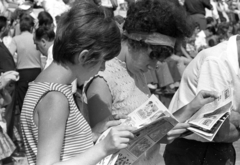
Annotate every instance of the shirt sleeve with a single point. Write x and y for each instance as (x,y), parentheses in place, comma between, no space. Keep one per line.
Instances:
(13,47)
(212,76)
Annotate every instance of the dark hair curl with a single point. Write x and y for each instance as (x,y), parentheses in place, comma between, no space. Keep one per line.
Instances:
(161,16)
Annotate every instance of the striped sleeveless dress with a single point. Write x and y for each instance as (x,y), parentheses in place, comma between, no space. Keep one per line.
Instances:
(78,135)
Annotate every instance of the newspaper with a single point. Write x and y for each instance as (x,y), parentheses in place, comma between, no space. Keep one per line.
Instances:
(152,121)
(209,119)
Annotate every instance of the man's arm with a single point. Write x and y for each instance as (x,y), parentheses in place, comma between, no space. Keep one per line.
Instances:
(214,76)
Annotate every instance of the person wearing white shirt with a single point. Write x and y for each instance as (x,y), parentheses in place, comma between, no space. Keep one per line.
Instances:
(43,39)
(212,69)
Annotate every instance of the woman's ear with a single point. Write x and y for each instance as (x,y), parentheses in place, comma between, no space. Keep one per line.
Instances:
(82,57)
(43,41)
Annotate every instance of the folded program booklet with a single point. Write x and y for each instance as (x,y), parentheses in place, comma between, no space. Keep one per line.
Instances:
(152,121)
(209,119)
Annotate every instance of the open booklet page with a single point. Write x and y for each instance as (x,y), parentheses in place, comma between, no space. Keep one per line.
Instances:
(152,121)
(209,119)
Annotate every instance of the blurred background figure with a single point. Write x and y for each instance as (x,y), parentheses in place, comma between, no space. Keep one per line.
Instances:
(28,57)
(7,147)
(196,9)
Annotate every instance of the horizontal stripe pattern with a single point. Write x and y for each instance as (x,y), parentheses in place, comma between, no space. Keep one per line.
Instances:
(78,135)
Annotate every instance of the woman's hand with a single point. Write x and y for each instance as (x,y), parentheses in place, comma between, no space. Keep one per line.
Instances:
(110,121)
(177,131)
(118,138)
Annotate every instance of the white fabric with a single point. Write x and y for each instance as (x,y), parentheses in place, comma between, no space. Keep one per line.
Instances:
(106,3)
(223,7)
(49,57)
(7,41)
(212,13)
(207,71)
(200,40)
(121,11)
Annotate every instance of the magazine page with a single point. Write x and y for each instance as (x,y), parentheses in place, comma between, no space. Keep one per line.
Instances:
(209,135)
(224,97)
(152,121)
(145,138)
(148,112)
(208,120)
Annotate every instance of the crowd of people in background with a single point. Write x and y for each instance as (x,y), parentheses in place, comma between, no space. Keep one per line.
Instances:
(43,53)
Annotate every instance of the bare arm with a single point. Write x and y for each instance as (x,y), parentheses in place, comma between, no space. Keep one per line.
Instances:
(52,114)
(99,101)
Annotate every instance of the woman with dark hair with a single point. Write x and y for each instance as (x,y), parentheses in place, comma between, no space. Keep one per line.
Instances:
(150,32)
(54,130)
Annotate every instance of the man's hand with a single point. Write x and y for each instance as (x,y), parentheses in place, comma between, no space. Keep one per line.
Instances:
(202,98)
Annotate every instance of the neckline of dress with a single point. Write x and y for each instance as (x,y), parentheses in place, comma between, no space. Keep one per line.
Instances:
(122,63)
(49,83)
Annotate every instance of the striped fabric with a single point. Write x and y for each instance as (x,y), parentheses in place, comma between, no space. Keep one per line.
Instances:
(78,136)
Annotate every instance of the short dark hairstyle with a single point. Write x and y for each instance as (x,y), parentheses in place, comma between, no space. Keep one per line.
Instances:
(44,18)
(26,23)
(3,22)
(85,26)
(45,32)
(161,16)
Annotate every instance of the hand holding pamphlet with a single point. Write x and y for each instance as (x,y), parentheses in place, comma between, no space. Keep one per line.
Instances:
(209,119)
(152,121)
